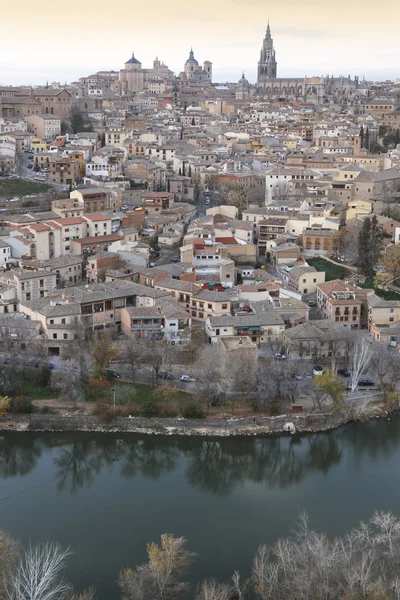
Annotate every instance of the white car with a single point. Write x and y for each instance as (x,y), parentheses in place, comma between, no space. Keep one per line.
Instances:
(317,370)
(187,378)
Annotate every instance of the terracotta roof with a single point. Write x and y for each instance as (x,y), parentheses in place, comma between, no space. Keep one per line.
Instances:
(226,240)
(68,221)
(39,227)
(158,195)
(100,239)
(97,217)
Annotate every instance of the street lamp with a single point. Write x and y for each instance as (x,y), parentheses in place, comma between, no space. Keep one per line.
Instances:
(113,391)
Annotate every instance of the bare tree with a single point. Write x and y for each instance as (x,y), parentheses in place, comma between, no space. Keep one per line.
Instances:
(213,590)
(9,549)
(155,356)
(102,350)
(131,352)
(386,364)
(360,360)
(160,577)
(210,374)
(38,574)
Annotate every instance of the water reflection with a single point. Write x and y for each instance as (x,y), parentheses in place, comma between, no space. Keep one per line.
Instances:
(215,465)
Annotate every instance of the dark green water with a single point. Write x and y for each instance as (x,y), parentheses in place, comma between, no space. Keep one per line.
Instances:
(107,495)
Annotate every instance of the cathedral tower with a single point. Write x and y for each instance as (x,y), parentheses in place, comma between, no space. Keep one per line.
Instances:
(267,65)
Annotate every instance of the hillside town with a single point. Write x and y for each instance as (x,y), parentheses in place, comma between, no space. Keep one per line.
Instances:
(257,222)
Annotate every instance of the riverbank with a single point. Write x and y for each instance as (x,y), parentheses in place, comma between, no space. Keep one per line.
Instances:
(218,428)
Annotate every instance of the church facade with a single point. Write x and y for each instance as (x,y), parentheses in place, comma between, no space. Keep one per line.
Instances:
(318,90)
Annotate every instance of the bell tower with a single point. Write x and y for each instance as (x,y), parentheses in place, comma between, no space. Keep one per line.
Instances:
(267,65)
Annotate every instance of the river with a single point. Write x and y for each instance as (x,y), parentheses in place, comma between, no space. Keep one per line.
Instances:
(107,495)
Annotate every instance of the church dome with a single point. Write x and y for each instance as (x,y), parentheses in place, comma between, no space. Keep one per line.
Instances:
(243,82)
(191,58)
(133,61)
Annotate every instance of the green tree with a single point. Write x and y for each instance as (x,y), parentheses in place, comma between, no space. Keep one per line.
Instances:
(328,383)
(366,139)
(193,122)
(362,136)
(190,171)
(168,185)
(77,120)
(370,245)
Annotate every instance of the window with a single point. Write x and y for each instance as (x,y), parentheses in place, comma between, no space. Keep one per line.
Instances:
(65,336)
(224,307)
(108,305)
(41,282)
(28,296)
(51,321)
(54,336)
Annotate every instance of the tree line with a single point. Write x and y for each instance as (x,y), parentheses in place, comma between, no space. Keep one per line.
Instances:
(363,564)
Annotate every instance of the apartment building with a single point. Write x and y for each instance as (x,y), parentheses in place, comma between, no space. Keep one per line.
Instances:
(269,229)
(64,171)
(318,240)
(261,328)
(207,303)
(341,303)
(30,285)
(45,127)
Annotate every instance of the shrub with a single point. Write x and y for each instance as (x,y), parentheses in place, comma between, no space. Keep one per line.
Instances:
(47,410)
(193,411)
(44,376)
(96,388)
(130,409)
(275,409)
(21,404)
(108,416)
(150,410)
(168,410)
(100,408)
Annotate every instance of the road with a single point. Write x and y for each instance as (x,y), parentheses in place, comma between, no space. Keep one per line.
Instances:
(30,174)
(202,206)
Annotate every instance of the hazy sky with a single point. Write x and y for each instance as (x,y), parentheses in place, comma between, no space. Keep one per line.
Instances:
(44,42)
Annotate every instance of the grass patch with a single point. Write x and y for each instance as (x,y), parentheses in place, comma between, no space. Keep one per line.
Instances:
(331,271)
(145,393)
(386,295)
(21,187)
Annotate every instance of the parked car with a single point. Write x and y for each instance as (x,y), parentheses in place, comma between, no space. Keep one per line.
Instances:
(186,378)
(152,264)
(156,248)
(344,372)
(366,383)
(164,375)
(317,370)
(311,303)
(279,356)
(30,167)
(124,207)
(176,259)
(113,374)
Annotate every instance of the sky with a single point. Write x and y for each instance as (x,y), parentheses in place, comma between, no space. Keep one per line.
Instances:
(53,42)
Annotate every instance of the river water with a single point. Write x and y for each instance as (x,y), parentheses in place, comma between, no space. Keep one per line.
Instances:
(107,495)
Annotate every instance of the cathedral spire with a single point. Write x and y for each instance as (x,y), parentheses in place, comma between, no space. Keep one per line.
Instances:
(268,34)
